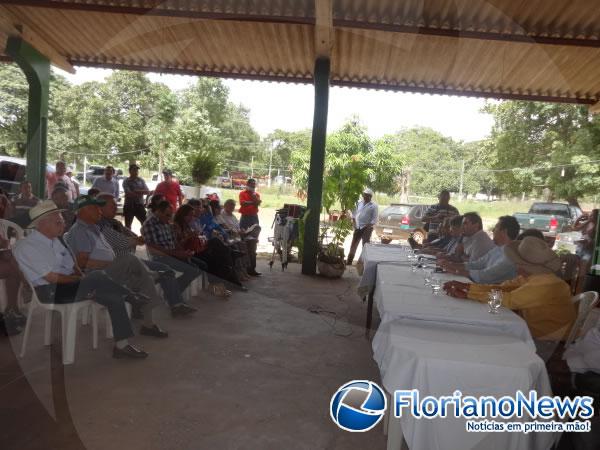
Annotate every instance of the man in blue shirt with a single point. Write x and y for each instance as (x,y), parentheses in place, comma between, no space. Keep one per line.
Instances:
(493,267)
(364,218)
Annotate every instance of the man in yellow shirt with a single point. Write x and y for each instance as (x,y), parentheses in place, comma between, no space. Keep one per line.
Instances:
(537,294)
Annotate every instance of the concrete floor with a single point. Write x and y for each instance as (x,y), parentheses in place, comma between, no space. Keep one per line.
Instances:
(255,372)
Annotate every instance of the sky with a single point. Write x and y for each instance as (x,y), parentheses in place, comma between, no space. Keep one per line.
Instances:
(290,106)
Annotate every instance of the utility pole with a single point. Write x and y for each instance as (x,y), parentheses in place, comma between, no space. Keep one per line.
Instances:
(462,176)
(84,169)
(270,163)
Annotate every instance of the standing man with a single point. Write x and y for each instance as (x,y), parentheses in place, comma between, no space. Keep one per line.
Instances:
(435,215)
(364,217)
(170,189)
(249,203)
(135,189)
(73,180)
(60,176)
(108,183)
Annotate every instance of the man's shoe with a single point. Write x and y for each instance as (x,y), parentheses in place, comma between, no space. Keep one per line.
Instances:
(254,273)
(182,310)
(15,316)
(154,330)
(130,352)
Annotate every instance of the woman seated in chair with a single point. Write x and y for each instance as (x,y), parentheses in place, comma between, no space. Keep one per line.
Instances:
(208,247)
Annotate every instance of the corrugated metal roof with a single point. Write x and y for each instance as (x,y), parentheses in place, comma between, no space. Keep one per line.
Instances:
(537,49)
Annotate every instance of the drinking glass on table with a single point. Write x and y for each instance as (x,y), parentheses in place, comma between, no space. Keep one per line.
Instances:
(427,275)
(494,301)
(436,285)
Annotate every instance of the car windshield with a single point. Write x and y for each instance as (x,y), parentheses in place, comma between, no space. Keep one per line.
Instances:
(551,209)
(397,209)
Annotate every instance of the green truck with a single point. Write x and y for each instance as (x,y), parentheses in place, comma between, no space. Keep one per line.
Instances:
(549,218)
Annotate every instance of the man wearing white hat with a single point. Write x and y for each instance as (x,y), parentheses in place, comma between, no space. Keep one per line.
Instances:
(537,294)
(364,218)
(50,267)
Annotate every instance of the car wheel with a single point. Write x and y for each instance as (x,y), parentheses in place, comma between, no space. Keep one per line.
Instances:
(419,237)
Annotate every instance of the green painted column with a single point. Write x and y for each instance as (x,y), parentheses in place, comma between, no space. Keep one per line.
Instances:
(317,164)
(37,70)
(595,266)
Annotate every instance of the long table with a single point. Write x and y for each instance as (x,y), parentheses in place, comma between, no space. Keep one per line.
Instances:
(371,256)
(438,344)
(438,359)
(401,293)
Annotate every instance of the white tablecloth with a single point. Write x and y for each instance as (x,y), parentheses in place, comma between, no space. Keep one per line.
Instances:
(374,254)
(400,293)
(438,359)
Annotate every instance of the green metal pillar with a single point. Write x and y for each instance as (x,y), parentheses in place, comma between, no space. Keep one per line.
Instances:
(37,70)
(317,164)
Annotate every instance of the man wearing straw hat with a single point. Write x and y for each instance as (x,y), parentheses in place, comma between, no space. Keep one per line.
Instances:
(50,267)
(537,293)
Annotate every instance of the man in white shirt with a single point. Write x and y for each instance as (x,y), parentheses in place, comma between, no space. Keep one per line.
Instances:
(364,217)
(493,267)
(476,242)
(51,269)
(108,183)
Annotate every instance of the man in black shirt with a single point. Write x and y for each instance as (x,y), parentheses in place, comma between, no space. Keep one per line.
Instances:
(435,215)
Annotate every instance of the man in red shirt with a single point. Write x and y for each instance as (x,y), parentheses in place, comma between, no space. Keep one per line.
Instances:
(249,203)
(170,189)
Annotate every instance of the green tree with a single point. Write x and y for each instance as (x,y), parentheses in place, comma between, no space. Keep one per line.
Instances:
(547,145)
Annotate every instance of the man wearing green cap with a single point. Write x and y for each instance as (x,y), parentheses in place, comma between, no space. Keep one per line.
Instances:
(93,252)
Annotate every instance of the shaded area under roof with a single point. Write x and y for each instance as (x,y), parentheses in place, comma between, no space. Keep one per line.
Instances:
(535,50)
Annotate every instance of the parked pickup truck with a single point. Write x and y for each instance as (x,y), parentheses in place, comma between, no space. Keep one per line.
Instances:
(549,218)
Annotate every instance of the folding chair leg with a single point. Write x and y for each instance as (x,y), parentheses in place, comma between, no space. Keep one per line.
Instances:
(94,326)
(108,324)
(27,329)
(47,327)
(70,333)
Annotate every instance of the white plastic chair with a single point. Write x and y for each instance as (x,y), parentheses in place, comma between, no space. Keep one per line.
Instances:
(68,315)
(95,309)
(586,301)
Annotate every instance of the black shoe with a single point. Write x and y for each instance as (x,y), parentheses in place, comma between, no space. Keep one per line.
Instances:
(254,273)
(129,352)
(137,300)
(182,310)
(154,330)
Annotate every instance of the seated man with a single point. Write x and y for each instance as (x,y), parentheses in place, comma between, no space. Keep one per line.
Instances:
(60,197)
(161,242)
(537,294)
(475,242)
(124,242)
(454,241)
(493,267)
(49,266)
(92,252)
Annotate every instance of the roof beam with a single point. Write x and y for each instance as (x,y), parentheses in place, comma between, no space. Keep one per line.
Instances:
(428,31)
(12,27)
(158,11)
(466,34)
(323,28)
